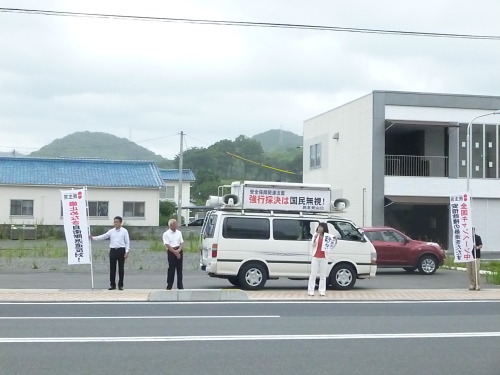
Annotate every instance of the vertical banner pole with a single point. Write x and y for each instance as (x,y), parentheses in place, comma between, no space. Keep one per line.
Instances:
(90,243)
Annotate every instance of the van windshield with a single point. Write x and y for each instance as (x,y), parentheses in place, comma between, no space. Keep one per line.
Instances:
(346,231)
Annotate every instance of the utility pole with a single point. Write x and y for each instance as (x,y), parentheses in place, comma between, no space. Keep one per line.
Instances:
(179,200)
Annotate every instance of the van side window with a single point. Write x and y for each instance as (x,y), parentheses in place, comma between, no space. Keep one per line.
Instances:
(209,226)
(301,230)
(346,231)
(246,228)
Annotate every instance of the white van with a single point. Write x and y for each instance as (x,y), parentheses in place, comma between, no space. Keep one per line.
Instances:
(248,247)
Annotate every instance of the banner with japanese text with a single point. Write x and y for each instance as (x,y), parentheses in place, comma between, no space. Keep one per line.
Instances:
(461,224)
(74,207)
(285,199)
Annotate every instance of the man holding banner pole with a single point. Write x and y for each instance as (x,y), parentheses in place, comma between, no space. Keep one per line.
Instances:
(464,241)
(119,247)
(474,266)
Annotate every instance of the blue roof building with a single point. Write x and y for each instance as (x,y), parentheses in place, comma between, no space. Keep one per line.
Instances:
(79,172)
(30,190)
(173,175)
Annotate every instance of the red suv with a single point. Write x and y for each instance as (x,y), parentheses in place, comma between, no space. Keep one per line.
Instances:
(395,249)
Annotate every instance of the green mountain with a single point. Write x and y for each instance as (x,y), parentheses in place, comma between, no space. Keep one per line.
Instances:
(98,145)
(277,139)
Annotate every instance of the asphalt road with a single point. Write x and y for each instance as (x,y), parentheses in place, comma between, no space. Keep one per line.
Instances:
(196,279)
(250,338)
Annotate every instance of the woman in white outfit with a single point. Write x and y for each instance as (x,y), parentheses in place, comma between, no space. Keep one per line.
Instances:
(321,243)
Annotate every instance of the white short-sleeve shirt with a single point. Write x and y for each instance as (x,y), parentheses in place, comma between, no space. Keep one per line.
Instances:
(173,239)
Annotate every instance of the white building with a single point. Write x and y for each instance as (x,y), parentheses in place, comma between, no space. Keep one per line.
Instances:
(398,156)
(30,190)
(170,190)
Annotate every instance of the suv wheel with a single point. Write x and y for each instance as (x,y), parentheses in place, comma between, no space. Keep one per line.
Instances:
(252,276)
(427,265)
(343,276)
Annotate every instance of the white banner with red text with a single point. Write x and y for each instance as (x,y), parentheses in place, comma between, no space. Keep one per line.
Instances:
(74,207)
(286,199)
(461,227)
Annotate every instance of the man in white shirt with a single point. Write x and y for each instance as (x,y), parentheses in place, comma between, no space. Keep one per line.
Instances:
(119,247)
(172,238)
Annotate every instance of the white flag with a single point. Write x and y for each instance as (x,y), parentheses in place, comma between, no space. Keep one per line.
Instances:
(74,204)
(461,224)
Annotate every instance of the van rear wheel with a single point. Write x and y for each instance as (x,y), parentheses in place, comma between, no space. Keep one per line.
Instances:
(234,280)
(252,276)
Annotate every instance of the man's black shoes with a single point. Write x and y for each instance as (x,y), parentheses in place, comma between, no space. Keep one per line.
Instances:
(112,288)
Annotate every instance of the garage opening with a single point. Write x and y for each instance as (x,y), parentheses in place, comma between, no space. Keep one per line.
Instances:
(425,222)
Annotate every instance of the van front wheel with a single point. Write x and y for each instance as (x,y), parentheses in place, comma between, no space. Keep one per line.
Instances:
(343,276)
(252,276)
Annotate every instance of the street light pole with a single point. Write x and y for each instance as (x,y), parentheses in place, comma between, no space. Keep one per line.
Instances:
(469,172)
(179,199)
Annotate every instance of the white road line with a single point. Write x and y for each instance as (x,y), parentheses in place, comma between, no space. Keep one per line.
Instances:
(248,337)
(262,302)
(139,317)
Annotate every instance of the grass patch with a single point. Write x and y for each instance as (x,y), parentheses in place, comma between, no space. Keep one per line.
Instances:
(494,268)
(156,246)
(45,249)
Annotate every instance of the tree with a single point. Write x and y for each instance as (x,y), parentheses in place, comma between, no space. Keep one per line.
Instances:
(207,183)
(249,149)
(167,211)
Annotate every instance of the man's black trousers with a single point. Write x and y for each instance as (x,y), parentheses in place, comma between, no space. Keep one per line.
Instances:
(174,264)
(116,255)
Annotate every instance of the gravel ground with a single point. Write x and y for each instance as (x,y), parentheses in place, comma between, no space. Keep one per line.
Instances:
(143,256)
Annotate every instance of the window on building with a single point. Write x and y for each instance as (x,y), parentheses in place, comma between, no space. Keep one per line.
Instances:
(21,207)
(315,156)
(484,150)
(170,192)
(98,208)
(134,209)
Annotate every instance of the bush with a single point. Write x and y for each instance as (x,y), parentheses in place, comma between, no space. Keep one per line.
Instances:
(167,212)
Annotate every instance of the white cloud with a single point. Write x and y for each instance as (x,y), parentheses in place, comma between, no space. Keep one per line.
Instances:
(153,79)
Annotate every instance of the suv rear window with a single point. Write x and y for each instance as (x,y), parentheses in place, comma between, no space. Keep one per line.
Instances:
(246,228)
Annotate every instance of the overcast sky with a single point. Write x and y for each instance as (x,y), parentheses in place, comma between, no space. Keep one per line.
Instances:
(148,81)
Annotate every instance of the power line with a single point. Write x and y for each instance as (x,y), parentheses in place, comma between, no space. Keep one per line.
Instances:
(259,164)
(251,161)
(251,24)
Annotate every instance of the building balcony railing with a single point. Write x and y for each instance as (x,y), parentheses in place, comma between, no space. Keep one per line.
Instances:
(418,166)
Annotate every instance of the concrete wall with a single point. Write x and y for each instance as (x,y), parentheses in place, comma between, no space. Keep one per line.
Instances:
(47,204)
(348,160)
(485,217)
